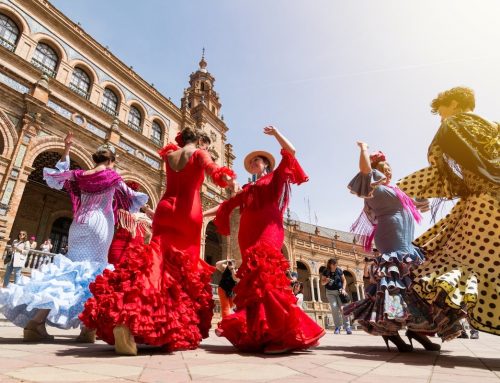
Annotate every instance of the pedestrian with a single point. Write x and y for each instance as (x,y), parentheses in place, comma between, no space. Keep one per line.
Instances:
(46,246)
(462,249)
(388,218)
(18,254)
(474,334)
(298,291)
(267,318)
(160,293)
(333,279)
(56,293)
(227,284)
(33,243)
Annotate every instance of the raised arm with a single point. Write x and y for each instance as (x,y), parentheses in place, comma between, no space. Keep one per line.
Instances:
(222,176)
(282,140)
(68,142)
(364,158)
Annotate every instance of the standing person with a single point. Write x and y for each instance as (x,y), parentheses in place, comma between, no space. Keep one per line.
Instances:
(462,249)
(333,279)
(56,294)
(46,245)
(20,249)
(130,228)
(298,291)
(33,243)
(227,284)
(388,218)
(267,318)
(160,294)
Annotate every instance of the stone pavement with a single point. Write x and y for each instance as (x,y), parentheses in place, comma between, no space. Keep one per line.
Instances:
(356,358)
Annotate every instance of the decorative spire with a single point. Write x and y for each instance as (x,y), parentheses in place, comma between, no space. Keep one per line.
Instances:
(203,63)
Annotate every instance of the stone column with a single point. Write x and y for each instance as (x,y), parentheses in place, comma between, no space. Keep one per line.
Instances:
(312,289)
(358,291)
(362,288)
(318,289)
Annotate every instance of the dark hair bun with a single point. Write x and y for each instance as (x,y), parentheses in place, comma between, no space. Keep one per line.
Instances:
(189,135)
(103,155)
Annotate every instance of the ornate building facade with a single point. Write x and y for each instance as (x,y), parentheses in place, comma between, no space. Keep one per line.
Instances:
(56,78)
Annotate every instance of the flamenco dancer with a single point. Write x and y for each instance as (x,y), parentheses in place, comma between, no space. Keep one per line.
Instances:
(160,293)
(130,228)
(56,294)
(462,249)
(267,318)
(388,217)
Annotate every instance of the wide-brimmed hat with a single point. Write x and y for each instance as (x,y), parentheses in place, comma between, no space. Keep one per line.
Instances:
(258,153)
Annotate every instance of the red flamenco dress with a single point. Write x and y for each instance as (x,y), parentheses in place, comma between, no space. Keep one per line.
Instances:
(267,318)
(161,291)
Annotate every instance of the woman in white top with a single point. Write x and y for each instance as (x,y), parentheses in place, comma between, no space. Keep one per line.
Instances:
(46,246)
(20,250)
(298,288)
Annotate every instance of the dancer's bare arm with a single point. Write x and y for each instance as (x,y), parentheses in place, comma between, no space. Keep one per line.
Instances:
(364,158)
(283,141)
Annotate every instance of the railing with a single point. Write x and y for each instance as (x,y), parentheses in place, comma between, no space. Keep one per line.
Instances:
(135,127)
(44,68)
(7,44)
(78,91)
(35,258)
(109,110)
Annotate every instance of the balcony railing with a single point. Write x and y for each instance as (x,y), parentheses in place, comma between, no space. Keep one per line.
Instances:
(109,110)
(7,44)
(44,68)
(79,91)
(35,258)
(135,127)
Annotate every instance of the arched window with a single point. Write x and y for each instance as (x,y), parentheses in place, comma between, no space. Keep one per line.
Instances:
(45,59)
(109,102)
(9,32)
(135,119)
(157,133)
(80,82)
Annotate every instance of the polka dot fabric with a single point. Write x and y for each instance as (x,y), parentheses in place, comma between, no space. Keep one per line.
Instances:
(462,249)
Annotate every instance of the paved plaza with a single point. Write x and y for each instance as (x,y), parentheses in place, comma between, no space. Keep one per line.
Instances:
(356,358)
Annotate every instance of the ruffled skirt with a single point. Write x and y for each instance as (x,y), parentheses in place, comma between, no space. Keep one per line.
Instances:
(158,294)
(390,304)
(61,287)
(267,316)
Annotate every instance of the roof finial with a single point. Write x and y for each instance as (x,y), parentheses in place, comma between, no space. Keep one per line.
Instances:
(203,63)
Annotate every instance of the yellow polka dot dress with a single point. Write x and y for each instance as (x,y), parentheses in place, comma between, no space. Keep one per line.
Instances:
(462,268)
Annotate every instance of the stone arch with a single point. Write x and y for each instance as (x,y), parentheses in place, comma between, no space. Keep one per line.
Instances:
(57,236)
(94,77)
(286,253)
(115,88)
(42,144)
(350,277)
(304,276)
(17,18)
(138,104)
(146,188)
(8,134)
(213,248)
(322,288)
(54,44)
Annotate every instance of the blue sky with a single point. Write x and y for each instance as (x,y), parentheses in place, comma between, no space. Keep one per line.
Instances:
(325,72)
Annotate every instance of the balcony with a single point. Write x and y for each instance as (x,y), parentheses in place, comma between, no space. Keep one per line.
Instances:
(135,127)
(45,69)
(79,91)
(35,258)
(7,44)
(109,110)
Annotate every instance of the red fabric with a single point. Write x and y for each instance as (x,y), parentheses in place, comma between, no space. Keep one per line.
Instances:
(122,239)
(267,315)
(161,291)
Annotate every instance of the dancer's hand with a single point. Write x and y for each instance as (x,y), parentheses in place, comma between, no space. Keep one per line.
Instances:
(270,130)
(362,145)
(68,140)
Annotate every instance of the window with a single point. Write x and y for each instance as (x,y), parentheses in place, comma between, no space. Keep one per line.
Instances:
(109,102)
(80,82)
(135,119)
(9,32)
(45,59)
(156,133)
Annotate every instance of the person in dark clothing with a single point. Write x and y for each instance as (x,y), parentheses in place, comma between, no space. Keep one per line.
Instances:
(226,285)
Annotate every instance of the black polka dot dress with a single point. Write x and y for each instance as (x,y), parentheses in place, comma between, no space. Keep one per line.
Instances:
(462,267)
